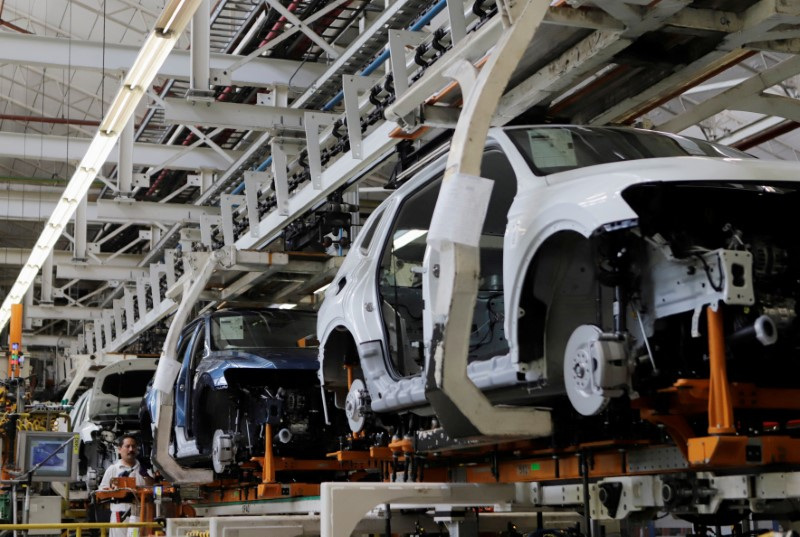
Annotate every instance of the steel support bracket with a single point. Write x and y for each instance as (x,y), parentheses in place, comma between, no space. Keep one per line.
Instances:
(254,181)
(313,122)
(156,270)
(98,336)
(127,297)
(140,180)
(354,87)
(207,225)
(167,371)
(220,77)
(398,41)
(107,320)
(282,151)
(343,505)
(227,202)
(458,22)
(118,309)
(88,339)
(443,117)
(141,296)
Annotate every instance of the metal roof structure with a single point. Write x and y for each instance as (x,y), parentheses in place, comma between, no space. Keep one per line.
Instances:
(306,104)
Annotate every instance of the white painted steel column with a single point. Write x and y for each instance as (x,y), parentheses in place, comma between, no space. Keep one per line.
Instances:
(80,230)
(47,281)
(201,48)
(125,166)
(155,236)
(27,320)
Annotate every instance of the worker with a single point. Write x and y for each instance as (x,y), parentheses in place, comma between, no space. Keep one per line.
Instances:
(126,466)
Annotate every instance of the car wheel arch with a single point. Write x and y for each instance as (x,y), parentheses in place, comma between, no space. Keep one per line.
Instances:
(538,330)
(338,350)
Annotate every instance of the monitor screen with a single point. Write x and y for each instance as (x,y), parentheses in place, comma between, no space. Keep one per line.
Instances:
(53,455)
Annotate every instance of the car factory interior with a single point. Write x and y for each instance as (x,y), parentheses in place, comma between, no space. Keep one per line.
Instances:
(445,268)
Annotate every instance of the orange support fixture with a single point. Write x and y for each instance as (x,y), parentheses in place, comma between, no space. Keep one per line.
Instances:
(268,468)
(718,449)
(14,340)
(720,408)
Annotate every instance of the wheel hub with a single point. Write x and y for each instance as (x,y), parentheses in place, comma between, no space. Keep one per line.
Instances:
(355,406)
(579,372)
(223,451)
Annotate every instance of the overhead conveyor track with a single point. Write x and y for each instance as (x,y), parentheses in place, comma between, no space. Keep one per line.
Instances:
(304,197)
(597,51)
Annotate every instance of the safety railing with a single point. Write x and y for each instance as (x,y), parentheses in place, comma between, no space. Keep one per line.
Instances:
(79,527)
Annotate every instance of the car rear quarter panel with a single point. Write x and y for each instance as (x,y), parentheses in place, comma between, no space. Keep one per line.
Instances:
(356,306)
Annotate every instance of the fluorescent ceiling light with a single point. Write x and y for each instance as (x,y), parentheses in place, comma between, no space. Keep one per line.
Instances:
(176,15)
(283,306)
(408,237)
(121,109)
(155,50)
(144,65)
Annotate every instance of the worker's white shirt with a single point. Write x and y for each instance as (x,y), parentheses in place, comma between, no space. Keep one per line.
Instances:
(118,468)
(118,509)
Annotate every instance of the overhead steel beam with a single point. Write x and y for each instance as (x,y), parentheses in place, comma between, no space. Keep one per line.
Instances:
(35,206)
(64,313)
(308,284)
(731,99)
(31,205)
(48,341)
(471,49)
(748,132)
(58,148)
(305,28)
(100,273)
(755,22)
(771,105)
(706,19)
(249,280)
(375,147)
(570,68)
(142,212)
(18,256)
(233,115)
(111,58)
(766,135)
(787,46)
(593,19)
(376,30)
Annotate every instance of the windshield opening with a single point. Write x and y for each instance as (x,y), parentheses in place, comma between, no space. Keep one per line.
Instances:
(127,383)
(260,329)
(557,149)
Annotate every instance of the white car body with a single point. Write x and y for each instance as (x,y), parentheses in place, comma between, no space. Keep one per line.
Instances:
(100,415)
(581,201)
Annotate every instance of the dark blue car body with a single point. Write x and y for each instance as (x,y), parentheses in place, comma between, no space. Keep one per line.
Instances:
(241,370)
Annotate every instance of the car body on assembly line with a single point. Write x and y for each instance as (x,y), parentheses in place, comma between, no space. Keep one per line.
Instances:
(105,412)
(599,252)
(243,373)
